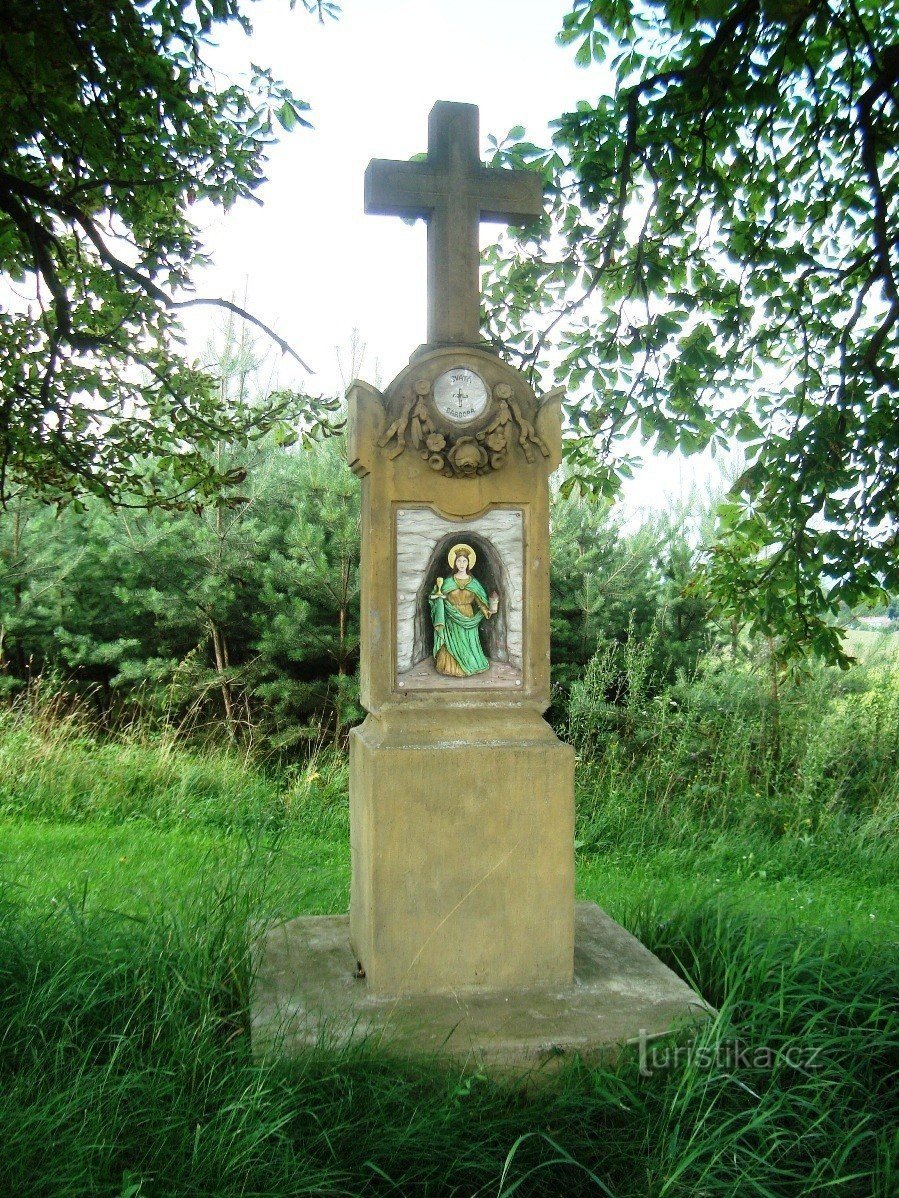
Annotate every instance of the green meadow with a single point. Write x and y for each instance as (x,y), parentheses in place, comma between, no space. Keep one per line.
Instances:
(701,282)
(134,866)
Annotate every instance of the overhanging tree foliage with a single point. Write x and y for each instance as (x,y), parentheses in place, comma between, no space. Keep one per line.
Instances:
(112,125)
(721,261)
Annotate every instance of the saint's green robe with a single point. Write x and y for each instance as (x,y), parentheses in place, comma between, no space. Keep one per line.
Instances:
(456,633)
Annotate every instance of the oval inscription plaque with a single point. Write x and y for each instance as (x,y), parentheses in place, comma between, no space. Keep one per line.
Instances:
(460,394)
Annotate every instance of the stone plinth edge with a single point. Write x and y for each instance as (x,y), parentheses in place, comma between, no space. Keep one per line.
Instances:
(306,996)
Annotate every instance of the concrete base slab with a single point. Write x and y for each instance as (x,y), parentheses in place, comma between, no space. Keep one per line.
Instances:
(306,995)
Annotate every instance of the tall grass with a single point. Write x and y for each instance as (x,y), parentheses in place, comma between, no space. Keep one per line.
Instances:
(56,765)
(817,765)
(125,1063)
(124,1047)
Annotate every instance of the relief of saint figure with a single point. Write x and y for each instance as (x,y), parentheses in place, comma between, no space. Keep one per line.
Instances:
(458,605)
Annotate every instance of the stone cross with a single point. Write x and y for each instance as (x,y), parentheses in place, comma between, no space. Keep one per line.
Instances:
(453,191)
(461,795)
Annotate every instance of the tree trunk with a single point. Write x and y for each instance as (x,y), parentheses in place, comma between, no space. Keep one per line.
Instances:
(774,667)
(221,668)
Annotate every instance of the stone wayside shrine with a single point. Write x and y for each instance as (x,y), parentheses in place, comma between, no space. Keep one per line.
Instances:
(463,936)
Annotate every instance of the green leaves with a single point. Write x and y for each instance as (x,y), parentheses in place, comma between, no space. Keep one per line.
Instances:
(114,126)
(721,262)
(289,114)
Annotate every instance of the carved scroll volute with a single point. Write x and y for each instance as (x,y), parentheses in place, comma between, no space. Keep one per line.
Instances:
(365,422)
(548,423)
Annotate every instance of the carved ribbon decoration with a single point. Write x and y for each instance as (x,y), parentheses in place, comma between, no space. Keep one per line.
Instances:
(465,454)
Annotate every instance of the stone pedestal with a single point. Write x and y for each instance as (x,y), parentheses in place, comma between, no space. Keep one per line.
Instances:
(461,795)
(463,868)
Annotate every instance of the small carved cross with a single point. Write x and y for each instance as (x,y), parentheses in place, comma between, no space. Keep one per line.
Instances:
(454,192)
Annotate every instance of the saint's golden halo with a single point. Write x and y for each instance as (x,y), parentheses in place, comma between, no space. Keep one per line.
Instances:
(467,549)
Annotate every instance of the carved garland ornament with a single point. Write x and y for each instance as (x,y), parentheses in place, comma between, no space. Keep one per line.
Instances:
(465,454)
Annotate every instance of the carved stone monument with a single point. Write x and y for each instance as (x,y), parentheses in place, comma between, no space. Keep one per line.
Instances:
(462,914)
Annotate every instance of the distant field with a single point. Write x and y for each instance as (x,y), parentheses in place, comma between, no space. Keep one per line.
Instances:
(870,644)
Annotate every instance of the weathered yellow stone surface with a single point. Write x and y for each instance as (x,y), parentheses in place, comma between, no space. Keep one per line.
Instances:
(392,482)
(461,800)
(463,866)
(461,795)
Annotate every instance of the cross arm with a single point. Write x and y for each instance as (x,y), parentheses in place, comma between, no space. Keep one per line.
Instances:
(509,197)
(413,189)
(400,188)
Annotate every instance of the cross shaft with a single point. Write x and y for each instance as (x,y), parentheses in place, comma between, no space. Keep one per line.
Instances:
(453,191)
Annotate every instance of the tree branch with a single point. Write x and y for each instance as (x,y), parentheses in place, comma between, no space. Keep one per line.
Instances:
(238,311)
(40,240)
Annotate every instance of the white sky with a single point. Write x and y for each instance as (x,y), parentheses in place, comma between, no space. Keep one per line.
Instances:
(313,265)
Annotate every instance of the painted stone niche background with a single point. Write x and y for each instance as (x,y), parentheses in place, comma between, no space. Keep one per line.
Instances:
(423,539)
